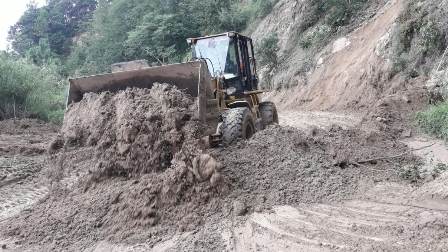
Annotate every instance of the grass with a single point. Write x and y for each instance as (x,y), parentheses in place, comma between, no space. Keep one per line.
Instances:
(434,120)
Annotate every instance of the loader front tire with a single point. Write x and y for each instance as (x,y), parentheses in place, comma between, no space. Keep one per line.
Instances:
(268,113)
(238,123)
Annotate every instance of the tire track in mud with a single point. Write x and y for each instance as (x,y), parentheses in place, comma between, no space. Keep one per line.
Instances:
(18,186)
(387,216)
(350,226)
(23,145)
(18,198)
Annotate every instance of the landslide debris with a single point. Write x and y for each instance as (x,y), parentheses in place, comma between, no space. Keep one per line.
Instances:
(283,165)
(125,165)
(134,132)
(130,167)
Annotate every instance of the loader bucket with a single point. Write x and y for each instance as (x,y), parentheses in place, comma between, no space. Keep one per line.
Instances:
(192,77)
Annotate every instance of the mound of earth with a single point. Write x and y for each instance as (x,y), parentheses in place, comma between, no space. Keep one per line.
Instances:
(100,192)
(125,165)
(283,165)
(134,132)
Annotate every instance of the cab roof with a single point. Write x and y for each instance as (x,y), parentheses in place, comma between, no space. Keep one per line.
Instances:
(228,34)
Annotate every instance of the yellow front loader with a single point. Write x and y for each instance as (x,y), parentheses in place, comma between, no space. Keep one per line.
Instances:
(222,76)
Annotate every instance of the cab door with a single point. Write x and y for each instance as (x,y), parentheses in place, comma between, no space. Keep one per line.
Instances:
(247,63)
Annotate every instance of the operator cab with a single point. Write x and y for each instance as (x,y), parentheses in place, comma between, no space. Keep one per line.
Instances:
(230,57)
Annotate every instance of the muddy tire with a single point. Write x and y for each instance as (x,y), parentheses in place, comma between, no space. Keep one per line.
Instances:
(268,113)
(238,123)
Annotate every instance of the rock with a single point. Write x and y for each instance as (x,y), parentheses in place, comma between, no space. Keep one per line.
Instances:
(56,145)
(239,208)
(4,246)
(320,61)
(406,133)
(340,44)
(215,179)
(204,166)
(258,209)
(381,119)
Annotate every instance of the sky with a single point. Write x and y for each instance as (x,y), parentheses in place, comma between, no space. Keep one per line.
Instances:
(10,12)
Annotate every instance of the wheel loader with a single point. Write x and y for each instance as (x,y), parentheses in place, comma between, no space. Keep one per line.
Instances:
(222,75)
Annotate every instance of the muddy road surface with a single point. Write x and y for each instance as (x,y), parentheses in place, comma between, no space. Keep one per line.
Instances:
(23,144)
(300,186)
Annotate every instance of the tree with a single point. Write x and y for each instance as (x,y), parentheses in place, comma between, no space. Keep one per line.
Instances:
(57,22)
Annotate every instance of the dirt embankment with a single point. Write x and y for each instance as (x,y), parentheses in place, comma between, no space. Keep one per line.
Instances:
(353,73)
(131,168)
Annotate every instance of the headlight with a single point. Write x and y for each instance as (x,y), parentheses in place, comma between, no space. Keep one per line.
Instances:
(231,90)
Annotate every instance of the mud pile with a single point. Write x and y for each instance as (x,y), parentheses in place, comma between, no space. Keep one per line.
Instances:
(134,132)
(283,165)
(126,166)
(129,167)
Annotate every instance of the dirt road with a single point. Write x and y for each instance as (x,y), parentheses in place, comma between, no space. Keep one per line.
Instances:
(385,216)
(22,147)
(381,215)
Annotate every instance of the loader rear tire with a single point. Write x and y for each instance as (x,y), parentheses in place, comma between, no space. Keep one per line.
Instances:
(268,113)
(238,123)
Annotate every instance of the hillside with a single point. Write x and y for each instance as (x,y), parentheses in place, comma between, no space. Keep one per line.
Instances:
(354,66)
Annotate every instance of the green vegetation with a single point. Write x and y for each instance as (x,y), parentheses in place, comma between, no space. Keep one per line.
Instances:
(412,173)
(79,37)
(420,38)
(124,30)
(315,37)
(267,51)
(322,18)
(56,24)
(419,41)
(439,169)
(29,90)
(434,120)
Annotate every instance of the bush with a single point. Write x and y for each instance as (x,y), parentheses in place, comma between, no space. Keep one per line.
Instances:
(267,51)
(434,120)
(315,37)
(420,38)
(335,13)
(263,7)
(29,90)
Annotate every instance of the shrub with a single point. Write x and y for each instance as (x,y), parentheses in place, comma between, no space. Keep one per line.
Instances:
(420,37)
(315,37)
(434,120)
(29,90)
(438,170)
(263,7)
(267,51)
